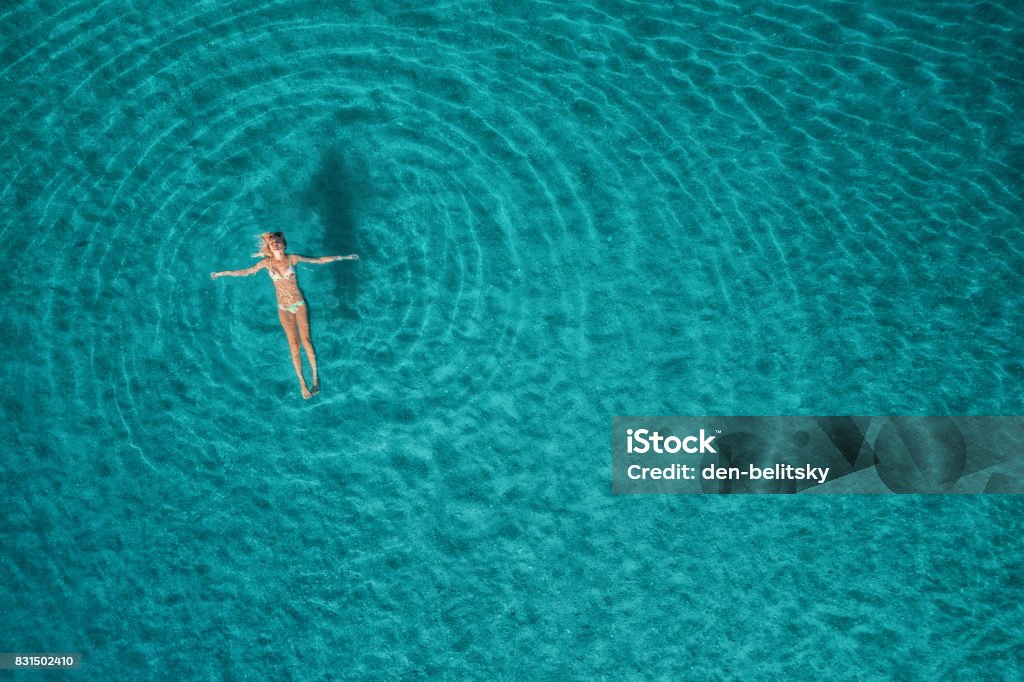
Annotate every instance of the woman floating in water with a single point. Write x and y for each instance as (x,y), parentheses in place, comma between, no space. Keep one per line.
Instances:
(291,306)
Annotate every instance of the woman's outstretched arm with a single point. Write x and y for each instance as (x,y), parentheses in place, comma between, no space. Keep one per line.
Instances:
(240,273)
(322,259)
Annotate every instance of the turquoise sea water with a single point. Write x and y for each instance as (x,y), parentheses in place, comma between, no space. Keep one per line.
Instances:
(565,212)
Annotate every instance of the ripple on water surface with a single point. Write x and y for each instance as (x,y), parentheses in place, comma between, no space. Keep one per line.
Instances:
(563,212)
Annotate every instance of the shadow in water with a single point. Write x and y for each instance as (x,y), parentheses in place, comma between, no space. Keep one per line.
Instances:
(332,194)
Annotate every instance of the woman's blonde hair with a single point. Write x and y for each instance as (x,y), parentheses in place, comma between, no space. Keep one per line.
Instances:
(264,244)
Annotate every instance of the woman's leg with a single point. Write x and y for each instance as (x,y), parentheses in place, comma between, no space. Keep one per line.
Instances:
(288,322)
(302,316)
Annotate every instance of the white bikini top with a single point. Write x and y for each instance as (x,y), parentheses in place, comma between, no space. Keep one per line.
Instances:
(289,273)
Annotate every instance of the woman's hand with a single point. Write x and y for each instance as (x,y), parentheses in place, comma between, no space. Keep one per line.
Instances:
(214,275)
(351,256)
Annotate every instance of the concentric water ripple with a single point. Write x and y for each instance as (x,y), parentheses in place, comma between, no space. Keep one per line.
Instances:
(563,212)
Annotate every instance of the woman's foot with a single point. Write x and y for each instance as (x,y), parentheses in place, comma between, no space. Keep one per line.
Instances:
(305,392)
(316,387)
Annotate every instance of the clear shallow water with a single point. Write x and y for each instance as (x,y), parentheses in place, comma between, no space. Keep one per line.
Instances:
(563,213)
